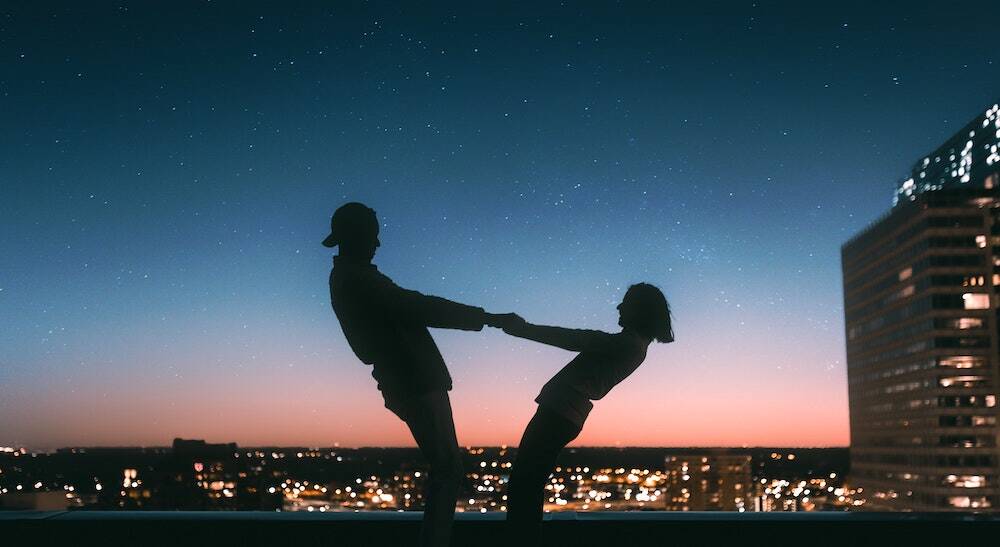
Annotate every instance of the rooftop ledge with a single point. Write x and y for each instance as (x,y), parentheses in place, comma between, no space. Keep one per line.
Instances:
(486,529)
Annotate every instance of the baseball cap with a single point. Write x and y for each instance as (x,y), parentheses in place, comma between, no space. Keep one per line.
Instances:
(351,220)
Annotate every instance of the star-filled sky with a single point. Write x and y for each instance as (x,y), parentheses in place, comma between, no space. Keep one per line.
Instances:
(167,172)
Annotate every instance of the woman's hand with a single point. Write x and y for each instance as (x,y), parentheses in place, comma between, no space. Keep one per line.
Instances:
(504,320)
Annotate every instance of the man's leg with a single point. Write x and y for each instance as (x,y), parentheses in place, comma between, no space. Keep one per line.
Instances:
(430,421)
(544,437)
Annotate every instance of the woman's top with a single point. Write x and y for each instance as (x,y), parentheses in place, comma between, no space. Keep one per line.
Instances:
(605,360)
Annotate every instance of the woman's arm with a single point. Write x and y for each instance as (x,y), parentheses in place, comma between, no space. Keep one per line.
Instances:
(579,340)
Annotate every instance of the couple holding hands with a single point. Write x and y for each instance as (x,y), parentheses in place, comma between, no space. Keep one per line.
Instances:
(386,327)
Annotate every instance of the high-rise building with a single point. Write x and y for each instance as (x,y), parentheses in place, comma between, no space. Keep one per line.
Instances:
(921,308)
(708,482)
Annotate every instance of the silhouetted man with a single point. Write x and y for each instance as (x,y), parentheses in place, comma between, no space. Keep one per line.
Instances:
(386,327)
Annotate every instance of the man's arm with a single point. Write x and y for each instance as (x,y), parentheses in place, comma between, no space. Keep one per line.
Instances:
(432,311)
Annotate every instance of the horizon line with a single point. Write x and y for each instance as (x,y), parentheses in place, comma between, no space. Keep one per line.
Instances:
(414,447)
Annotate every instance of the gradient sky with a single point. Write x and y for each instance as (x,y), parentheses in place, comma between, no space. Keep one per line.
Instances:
(168,171)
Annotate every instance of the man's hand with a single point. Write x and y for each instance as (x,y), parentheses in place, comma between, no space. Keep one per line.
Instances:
(504,320)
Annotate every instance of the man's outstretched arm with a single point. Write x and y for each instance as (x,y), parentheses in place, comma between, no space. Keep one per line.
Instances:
(433,311)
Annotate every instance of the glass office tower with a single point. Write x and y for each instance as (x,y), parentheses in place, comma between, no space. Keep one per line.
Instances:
(920,304)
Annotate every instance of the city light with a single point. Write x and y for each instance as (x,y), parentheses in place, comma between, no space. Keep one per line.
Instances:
(228,479)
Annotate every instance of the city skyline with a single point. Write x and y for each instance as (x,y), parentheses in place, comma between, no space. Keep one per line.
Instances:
(175,173)
(193,474)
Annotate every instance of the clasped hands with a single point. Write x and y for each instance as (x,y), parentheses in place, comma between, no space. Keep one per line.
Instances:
(504,321)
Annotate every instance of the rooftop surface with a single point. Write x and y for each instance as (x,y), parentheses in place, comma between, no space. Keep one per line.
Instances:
(474,529)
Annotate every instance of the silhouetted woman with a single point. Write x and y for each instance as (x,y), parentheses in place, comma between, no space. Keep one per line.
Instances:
(605,360)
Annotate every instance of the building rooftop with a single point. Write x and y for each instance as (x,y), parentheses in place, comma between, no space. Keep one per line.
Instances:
(969,158)
(486,529)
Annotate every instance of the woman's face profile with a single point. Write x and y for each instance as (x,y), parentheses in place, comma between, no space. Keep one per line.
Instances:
(626,309)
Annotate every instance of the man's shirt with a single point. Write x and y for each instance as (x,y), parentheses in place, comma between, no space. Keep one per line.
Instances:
(386,327)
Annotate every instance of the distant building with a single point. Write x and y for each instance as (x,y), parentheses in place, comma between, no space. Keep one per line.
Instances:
(36,501)
(708,482)
(920,304)
(200,475)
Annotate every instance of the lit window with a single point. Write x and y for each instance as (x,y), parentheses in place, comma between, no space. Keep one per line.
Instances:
(976,301)
(966,481)
(969,322)
(960,501)
(961,381)
(967,502)
(973,281)
(961,361)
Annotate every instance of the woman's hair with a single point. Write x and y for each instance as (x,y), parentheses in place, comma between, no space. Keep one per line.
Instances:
(653,317)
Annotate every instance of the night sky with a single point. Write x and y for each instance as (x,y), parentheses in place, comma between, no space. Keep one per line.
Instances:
(168,169)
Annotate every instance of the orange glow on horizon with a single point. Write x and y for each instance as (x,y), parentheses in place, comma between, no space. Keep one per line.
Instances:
(681,396)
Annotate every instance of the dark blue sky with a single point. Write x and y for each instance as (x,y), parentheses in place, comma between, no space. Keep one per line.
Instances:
(168,171)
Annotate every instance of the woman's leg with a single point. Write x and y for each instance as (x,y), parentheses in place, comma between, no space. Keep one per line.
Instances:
(544,437)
